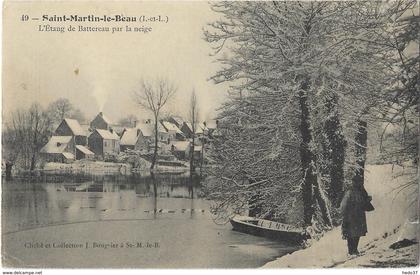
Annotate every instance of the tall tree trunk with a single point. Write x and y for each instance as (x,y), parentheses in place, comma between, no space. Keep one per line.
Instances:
(334,150)
(192,168)
(9,166)
(306,156)
(32,167)
(360,152)
(155,191)
(155,151)
(34,146)
(202,158)
(326,217)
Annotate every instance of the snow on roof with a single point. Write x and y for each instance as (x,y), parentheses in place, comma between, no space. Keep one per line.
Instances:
(86,128)
(146,129)
(199,127)
(68,155)
(129,137)
(56,145)
(75,127)
(161,129)
(180,145)
(84,150)
(105,134)
(171,127)
(211,124)
(178,119)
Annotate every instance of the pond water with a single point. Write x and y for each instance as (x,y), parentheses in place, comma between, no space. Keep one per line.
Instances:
(130,222)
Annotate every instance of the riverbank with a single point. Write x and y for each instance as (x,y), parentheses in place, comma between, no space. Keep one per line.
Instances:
(392,229)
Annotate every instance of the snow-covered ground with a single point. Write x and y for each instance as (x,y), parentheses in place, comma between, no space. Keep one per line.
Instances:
(395,218)
(88,166)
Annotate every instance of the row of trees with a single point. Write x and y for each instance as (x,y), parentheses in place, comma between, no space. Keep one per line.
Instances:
(26,130)
(308,79)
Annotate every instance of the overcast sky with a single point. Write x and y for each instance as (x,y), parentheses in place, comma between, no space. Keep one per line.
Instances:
(40,66)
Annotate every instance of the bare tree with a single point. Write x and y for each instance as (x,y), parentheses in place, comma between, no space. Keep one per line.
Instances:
(62,108)
(153,96)
(25,134)
(193,117)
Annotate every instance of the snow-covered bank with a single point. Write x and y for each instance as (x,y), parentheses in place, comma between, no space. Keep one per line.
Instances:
(87,166)
(395,218)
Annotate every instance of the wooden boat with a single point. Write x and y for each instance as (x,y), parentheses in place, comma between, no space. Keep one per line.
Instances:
(269,229)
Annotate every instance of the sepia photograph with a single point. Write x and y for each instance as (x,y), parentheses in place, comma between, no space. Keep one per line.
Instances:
(210,134)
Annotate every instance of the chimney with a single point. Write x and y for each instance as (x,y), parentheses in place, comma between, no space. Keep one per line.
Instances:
(135,123)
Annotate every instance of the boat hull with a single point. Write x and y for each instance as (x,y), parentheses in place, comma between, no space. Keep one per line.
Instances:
(248,227)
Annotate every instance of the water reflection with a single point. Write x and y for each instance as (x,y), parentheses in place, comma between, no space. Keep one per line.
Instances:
(164,208)
(31,205)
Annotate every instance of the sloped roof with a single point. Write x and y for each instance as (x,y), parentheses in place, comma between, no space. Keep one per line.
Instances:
(129,137)
(178,119)
(84,150)
(68,155)
(180,145)
(146,129)
(161,129)
(199,127)
(86,128)
(105,134)
(211,124)
(104,118)
(171,127)
(75,127)
(56,145)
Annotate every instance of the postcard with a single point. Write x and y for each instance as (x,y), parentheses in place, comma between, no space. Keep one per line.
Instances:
(178,134)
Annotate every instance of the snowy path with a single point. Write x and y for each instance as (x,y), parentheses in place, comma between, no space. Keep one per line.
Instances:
(389,223)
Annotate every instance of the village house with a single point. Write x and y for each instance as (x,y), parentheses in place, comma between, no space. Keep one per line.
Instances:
(197,152)
(128,139)
(211,125)
(84,153)
(200,129)
(59,149)
(134,139)
(142,137)
(100,122)
(182,150)
(163,135)
(67,143)
(173,131)
(177,120)
(145,136)
(104,143)
(71,127)
(104,123)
